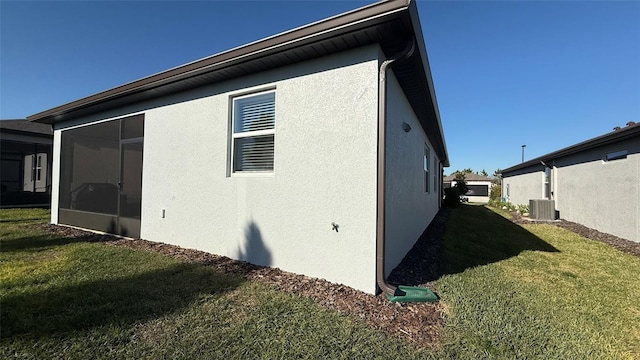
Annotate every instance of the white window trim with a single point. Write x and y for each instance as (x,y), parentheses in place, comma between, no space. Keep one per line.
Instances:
(234,135)
(426,159)
(435,180)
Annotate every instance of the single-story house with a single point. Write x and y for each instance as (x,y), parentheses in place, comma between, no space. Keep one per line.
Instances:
(318,150)
(479,186)
(25,158)
(595,183)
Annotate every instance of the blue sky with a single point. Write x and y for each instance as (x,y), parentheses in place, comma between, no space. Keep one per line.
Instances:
(546,74)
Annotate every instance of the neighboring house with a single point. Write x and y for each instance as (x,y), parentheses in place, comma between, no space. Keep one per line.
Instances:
(479,186)
(25,174)
(270,152)
(595,183)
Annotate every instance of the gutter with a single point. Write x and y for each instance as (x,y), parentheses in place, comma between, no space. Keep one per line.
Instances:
(340,25)
(400,293)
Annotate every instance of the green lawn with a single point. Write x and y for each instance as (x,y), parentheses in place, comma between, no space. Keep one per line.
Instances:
(544,293)
(65,299)
(511,292)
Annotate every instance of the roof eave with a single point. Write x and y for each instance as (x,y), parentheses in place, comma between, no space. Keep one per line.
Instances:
(365,16)
(422,51)
(372,18)
(605,139)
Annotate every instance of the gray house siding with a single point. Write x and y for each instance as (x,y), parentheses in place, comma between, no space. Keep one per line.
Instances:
(603,195)
(588,188)
(411,200)
(522,185)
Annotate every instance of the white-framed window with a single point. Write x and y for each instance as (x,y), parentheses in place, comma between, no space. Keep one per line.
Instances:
(253,136)
(547,183)
(38,167)
(435,180)
(426,168)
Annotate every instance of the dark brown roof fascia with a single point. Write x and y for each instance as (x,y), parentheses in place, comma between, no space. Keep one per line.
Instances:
(288,39)
(422,51)
(605,139)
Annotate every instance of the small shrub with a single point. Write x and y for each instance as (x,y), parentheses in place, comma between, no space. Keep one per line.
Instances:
(506,206)
(461,184)
(451,197)
(495,194)
(496,203)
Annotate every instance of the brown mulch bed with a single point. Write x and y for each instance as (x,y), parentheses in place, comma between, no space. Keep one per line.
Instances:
(421,323)
(627,246)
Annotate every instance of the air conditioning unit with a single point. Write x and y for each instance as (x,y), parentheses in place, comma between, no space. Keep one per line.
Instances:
(542,209)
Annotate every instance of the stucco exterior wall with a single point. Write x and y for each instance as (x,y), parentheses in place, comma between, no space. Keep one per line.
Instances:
(409,208)
(604,195)
(520,186)
(324,172)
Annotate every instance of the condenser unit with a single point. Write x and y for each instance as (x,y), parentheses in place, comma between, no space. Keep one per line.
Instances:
(542,209)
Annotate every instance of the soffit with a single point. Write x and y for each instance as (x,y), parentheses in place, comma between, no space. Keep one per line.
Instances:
(390,24)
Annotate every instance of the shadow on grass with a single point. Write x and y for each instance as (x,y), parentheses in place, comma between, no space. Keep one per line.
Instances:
(478,236)
(474,236)
(121,301)
(43,242)
(38,219)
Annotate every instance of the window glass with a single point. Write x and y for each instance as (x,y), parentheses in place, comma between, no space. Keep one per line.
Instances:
(547,187)
(39,168)
(253,132)
(253,153)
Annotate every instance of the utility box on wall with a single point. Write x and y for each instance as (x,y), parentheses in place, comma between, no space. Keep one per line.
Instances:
(542,209)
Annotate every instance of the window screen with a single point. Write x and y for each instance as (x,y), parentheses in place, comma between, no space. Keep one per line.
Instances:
(478,190)
(90,168)
(254,132)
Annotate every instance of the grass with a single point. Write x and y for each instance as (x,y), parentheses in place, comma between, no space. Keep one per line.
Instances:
(66,299)
(535,291)
(544,292)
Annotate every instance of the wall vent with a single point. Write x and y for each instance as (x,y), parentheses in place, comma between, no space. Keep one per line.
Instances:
(542,209)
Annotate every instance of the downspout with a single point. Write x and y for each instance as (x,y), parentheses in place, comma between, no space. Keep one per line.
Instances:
(401,293)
